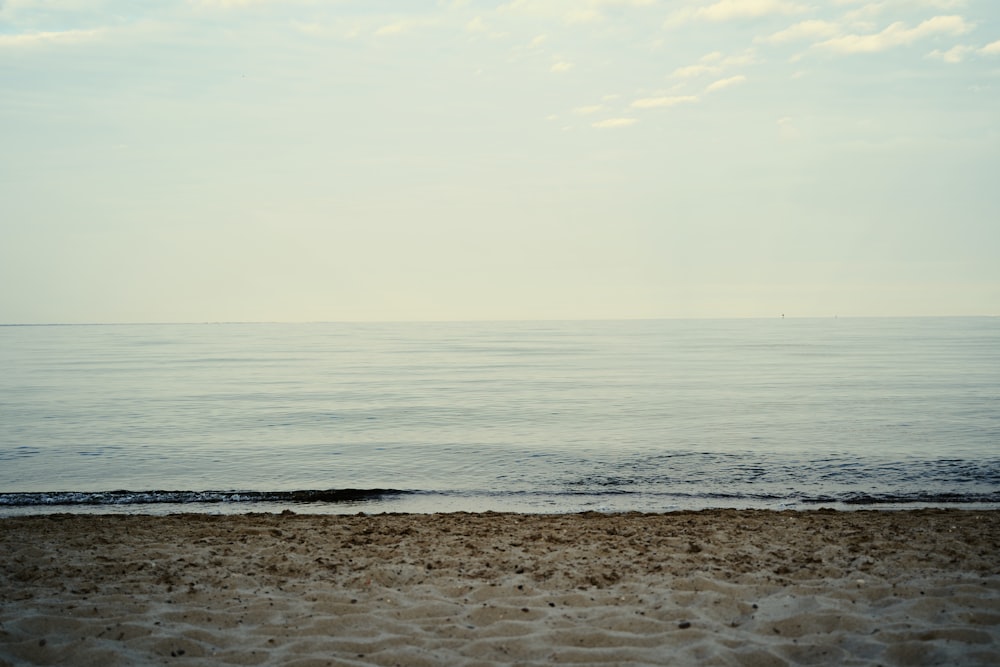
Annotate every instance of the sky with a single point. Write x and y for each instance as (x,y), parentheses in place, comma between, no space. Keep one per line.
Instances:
(358,160)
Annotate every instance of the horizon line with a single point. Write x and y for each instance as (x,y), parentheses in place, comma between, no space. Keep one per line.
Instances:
(781,316)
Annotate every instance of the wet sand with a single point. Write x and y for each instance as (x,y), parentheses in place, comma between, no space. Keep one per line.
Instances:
(720,587)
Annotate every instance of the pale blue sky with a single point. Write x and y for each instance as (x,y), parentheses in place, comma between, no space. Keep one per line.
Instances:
(209,160)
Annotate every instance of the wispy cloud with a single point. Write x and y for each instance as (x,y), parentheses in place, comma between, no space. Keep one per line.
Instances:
(803,31)
(664,101)
(725,83)
(568,11)
(584,15)
(390,29)
(561,66)
(237,4)
(714,63)
(787,129)
(728,10)
(954,55)
(623,3)
(691,71)
(338,30)
(746,58)
(403,26)
(991,49)
(707,64)
(614,123)
(53,37)
(873,8)
(897,34)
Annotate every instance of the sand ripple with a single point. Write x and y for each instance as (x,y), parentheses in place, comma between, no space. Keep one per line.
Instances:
(709,588)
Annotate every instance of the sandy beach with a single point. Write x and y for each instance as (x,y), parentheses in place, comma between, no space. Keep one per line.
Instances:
(721,587)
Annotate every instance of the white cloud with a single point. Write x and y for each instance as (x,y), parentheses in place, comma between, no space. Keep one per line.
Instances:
(991,49)
(691,71)
(570,11)
(787,129)
(713,63)
(396,28)
(614,122)
(870,10)
(881,5)
(54,37)
(476,25)
(561,66)
(725,83)
(237,4)
(805,30)
(623,3)
(727,10)
(746,58)
(955,54)
(665,101)
(224,4)
(339,30)
(897,34)
(584,15)
(403,26)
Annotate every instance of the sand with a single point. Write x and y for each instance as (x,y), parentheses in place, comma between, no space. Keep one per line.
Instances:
(721,587)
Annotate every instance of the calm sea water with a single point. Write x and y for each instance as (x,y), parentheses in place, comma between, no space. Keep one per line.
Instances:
(528,416)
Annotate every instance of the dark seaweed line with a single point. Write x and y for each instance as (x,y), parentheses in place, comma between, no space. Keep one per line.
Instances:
(898,499)
(124,497)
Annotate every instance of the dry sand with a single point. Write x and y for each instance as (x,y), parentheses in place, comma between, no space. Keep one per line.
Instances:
(709,588)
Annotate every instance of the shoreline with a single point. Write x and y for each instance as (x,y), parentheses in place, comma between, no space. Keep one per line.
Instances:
(764,587)
(424,503)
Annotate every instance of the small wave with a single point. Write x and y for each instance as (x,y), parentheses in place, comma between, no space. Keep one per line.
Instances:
(15,453)
(123,497)
(568,498)
(907,498)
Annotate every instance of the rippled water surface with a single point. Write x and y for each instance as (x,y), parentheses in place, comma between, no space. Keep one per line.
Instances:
(533,416)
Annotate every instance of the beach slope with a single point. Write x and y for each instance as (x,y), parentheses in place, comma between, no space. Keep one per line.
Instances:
(720,587)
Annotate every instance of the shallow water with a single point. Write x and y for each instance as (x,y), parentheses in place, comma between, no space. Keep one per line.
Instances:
(530,416)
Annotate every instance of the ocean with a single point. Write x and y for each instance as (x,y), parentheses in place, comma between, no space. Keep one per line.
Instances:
(647,415)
